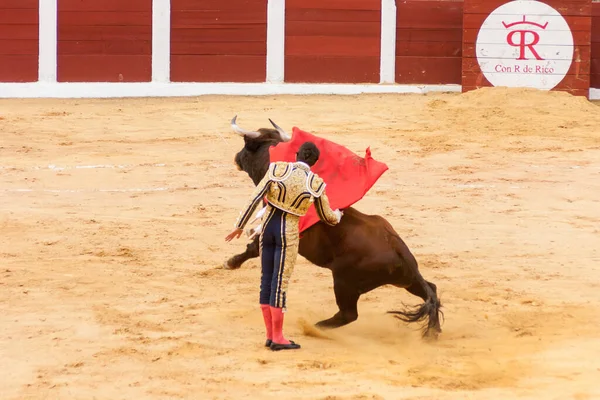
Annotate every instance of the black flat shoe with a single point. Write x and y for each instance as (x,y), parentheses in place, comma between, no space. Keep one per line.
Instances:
(292,346)
(268,343)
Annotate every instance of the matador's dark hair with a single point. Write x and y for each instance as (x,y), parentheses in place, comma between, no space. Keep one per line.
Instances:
(308,153)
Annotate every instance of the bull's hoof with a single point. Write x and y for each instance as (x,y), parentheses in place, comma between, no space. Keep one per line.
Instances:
(226,265)
(327,324)
(322,325)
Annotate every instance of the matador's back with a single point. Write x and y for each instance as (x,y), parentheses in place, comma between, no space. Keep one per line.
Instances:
(293,188)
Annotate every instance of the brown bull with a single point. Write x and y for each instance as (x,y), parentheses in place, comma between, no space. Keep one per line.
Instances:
(363,252)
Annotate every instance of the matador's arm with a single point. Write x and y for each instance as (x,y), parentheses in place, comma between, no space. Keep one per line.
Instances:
(255,198)
(324,211)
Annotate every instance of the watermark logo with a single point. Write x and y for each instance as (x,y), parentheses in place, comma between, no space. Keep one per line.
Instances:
(525,43)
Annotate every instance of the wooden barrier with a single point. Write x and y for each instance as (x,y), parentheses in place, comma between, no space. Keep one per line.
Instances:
(429,41)
(218,40)
(595,49)
(19,40)
(526,43)
(332,41)
(194,47)
(104,41)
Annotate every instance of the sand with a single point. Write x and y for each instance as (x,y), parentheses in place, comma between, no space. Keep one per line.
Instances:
(113,215)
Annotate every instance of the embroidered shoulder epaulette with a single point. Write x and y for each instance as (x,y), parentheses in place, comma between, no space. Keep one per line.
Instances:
(280,171)
(315,185)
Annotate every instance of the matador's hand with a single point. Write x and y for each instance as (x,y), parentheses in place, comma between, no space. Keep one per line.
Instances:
(339,214)
(236,233)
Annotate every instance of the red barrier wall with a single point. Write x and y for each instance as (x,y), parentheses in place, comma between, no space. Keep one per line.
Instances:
(575,12)
(327,41)
(19,40)
(429,41)
(332,41)
(218,40)
(595,67)
(104,41)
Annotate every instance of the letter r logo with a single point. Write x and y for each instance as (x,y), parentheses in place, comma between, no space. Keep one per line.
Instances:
(523,44)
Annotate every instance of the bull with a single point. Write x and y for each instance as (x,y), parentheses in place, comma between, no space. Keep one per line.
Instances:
(363,251)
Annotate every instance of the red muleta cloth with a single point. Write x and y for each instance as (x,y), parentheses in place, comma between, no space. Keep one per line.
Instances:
(348,176)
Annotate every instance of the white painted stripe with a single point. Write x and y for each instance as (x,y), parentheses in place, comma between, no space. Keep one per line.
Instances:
(109,166)
(119,90)
(162,189)
(54,213)
(275,41)
(387,61)
(48,33)
(526,168)
(498,187)
(58,168)
(161,40)
(87,167)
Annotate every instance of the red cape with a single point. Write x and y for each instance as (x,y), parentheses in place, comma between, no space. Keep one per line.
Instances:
(347,175)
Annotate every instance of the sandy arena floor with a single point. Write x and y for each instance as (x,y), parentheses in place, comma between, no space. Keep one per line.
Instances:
(113,215)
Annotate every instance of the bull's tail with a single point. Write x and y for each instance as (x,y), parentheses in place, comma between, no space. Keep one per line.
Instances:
(430,311)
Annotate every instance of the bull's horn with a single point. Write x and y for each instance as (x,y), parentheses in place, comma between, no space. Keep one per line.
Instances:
(243,132)
(284,136)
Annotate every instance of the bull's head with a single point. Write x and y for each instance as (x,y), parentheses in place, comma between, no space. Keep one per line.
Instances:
(254,157)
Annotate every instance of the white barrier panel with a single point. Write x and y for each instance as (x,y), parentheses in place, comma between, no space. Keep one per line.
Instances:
(105,90)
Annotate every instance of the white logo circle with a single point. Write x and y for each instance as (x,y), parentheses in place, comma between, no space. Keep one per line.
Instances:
(525,43)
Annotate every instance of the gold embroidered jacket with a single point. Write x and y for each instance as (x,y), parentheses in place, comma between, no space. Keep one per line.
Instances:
(291,187)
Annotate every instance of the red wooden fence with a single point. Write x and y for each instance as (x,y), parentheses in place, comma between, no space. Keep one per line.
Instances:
(595,67)
(327,41)
(575,12)
(104,41)
(19,40)
(218,40)
(429,41)
(332,41)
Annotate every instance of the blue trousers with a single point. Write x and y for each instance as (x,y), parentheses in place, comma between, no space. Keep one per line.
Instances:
(278,252)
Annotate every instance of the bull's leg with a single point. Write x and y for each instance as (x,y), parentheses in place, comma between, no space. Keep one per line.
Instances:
(346,297)
(252,251)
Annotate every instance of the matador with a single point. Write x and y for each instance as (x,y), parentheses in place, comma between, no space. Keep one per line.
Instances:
(290,188)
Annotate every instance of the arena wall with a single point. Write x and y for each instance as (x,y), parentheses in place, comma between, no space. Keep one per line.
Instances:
(104,41)
(218,41)
(332,41)
(578,17)
(19,40)
(595,66)
(116,48)
(429,42)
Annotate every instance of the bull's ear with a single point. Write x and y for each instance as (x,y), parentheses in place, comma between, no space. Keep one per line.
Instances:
(284,136)
(243,132)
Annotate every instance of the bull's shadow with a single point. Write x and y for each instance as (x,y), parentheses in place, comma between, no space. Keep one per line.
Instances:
(363,251)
